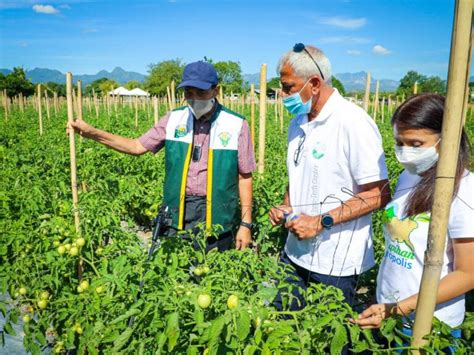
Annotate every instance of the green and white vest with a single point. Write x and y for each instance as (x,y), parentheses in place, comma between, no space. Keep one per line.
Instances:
(222,167)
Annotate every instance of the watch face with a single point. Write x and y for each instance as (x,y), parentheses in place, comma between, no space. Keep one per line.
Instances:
(327,221)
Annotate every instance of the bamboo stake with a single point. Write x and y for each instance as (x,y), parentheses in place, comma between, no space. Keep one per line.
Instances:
(155,109)
(46,99)
(173,94)
(221,95)
(367,93)
(275,106)
(415,88)
(168,96)
(40,116)
(376,99)
(382,109)
(136,110)
(261,127)
(252,113)
(454,111)
(72,152)
(55,103)
(281,112)
(5,104)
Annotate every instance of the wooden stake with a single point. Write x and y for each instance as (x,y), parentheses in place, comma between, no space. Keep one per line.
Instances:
(136,111)
(55,103)
(173,94)
(415,88)
(221,95)
(367,93)
(454,112)
(155,109)
(46,99)
(382,108)
(72,152)
(40,115)
(376,99)
(261,127)
(5,104)
(252,113)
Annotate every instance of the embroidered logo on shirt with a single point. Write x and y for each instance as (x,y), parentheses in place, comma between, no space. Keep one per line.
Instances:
(317,150)
(225,138)
(180,131)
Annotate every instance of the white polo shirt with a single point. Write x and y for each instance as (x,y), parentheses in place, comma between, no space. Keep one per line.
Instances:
(342,148)
(406,239)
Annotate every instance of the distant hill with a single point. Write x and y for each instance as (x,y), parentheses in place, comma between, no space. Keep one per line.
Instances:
(351,81)
(43,75)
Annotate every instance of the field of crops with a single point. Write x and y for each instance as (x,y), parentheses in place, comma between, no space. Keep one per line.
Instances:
(192,302)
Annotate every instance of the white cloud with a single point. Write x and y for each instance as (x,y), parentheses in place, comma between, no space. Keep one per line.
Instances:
(344,22)
(378,49)
(353,52)
(45,9)
(343,39)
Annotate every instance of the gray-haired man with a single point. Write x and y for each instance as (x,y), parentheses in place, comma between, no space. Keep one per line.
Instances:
(337,176)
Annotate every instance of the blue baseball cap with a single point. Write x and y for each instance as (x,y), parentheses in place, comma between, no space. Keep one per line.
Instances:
(200,75)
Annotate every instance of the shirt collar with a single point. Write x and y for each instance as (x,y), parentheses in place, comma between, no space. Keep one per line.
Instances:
(328,108)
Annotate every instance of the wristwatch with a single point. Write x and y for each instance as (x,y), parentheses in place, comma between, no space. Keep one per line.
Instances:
(247,225)
(327,221)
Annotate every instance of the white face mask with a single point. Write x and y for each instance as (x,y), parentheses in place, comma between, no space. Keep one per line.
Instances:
(200,107)
(417,160)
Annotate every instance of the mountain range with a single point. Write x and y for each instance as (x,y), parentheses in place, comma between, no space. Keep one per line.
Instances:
(43,75)
(351,81)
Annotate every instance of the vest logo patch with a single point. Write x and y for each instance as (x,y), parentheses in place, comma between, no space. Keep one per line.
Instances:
(225,138)
(180,131)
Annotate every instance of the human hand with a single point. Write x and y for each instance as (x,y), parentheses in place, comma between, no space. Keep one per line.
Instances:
(277,214)
(243,238)
(305,227)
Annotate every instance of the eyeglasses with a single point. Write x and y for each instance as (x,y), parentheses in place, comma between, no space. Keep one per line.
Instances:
(300,47)
(299,150)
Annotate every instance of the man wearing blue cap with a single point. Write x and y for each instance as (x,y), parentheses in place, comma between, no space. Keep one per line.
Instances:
(209,159)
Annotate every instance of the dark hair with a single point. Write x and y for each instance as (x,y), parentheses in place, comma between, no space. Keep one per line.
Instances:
(426,111)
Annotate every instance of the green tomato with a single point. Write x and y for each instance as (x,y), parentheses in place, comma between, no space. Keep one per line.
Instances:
(73,251)
(56,243)
(84,284)
(99,251)
(198,271)
(42,304)
(80,242)
(232,301)
(99,289)
(78,328)
(204,301)
(205,269)
(67,246)
(44,295)
(61,249)
(22,291)
(79,289)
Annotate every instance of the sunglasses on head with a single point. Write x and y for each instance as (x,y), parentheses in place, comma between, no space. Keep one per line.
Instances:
(300,47)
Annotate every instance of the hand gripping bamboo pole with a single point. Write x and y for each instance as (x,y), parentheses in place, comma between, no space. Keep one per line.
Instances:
(454,111)
(261,126)
(72,152)
(367,93)
(40,115)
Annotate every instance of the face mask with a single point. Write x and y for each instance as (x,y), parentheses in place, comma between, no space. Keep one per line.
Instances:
(417,160)
(294,104)
(200,107)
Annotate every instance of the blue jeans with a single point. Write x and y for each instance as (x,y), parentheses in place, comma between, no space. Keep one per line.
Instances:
(302,277)
(449,350)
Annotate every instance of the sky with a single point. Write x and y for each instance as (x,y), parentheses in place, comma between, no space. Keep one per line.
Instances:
(387,38)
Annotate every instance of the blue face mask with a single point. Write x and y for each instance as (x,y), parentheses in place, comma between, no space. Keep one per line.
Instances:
(294,104)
